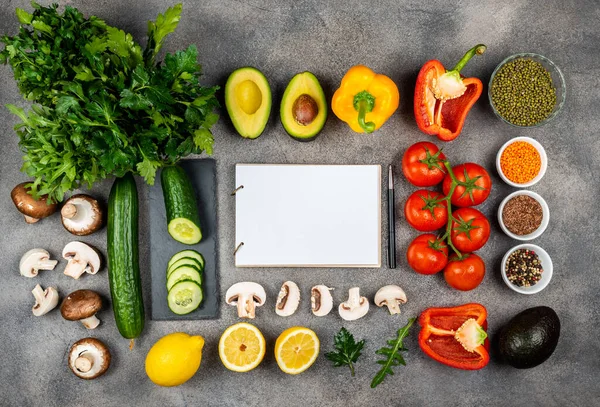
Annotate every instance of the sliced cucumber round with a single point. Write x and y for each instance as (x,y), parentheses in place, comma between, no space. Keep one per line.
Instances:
(186,253)
(185,231)
(186,261)
(183,273)
(184,297)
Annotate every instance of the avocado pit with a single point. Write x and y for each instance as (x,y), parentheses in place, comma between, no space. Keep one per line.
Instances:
(305,109)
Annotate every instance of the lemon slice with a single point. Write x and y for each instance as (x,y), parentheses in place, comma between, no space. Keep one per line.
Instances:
(242,347)
(296,349)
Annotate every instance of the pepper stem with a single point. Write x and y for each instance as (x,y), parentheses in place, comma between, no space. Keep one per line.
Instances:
(476,50)
(364,103)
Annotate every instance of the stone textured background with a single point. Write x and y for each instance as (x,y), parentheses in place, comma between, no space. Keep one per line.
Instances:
(283,38)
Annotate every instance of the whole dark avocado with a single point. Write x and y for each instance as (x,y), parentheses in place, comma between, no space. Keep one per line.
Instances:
(530,337)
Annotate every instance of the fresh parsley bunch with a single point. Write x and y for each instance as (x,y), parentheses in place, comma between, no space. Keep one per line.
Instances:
(102,105)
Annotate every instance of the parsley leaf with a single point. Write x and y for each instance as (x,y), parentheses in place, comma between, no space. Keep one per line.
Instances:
(101,106)
(393,357)
(347,350)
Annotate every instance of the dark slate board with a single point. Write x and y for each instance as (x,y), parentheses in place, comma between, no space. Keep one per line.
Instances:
(202,173)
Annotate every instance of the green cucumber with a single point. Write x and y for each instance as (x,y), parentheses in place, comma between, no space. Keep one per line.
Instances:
(184,273)
(186,253)
(184,297)
(122,253)
(183,219)
(186,261)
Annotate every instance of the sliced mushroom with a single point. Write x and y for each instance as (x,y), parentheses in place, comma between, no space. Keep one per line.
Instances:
(321,301)
(81,215)
(82,305)
(31,208)
(35,260)
(247,296)
(356,307)
(82,259)
(89,358)
(392,296)
(288,299)
(45,300)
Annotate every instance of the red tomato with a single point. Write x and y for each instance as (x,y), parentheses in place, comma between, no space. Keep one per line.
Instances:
(427,255)
(423,213)
(421,164)
(470,230)
(464,274)
(476,188)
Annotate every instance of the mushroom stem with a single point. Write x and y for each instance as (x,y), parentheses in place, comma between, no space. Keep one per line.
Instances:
(393,307)
(354,297)
(75,268)
(84,362)
(246,307)
(46,264)
(68,211)
(90,322)
(30,220)
(38,294)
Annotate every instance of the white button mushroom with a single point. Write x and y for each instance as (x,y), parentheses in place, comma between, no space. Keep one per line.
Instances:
(81,215)
(82,305)
(45,300)
(82,259)
(392,296)
(356,307)
(35,260)
(288,299)
(89,358)
(321,301)
(247,296)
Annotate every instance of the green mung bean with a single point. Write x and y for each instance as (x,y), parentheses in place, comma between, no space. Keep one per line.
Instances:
(523,93)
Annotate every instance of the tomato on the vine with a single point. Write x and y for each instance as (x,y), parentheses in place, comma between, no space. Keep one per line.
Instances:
(464,274)
(470,229)
(421,164)
(427,255)
(424,213)
(477,185)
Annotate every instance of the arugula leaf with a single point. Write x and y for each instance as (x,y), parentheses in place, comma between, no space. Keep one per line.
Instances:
(393,357)
(347,350)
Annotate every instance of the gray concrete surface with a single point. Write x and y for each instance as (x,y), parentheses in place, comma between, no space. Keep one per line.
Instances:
(327,37)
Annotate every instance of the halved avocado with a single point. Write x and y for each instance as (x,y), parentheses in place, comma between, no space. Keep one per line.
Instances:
(248,101)
(303,107)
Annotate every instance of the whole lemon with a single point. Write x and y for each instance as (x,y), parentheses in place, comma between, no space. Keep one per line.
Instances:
(174,359)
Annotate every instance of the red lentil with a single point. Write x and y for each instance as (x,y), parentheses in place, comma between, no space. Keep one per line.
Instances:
(520,162)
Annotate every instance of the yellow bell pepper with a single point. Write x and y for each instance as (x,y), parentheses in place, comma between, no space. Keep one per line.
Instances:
(365,100)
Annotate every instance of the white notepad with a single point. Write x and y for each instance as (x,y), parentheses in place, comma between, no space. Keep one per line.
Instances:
(308,215)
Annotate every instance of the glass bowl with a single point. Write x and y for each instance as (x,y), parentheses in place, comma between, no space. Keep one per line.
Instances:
(557,80)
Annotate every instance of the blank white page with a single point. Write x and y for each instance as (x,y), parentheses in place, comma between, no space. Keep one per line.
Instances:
(308,215)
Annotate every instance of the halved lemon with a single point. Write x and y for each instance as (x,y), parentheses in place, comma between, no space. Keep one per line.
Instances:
(242,347)
(296,349)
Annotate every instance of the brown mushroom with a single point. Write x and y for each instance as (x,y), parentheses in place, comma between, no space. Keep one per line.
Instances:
(82,305)
(31,208)
(81,215)
(89,358)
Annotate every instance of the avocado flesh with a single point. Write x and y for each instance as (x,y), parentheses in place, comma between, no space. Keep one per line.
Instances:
(530,338)
(304,83)
(248,101)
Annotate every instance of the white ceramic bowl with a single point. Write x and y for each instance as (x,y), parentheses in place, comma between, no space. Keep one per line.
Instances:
(543,158)
(545,215)
(546,266)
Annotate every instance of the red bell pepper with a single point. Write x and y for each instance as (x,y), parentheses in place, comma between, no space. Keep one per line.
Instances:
(443,98)
(455,336)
